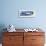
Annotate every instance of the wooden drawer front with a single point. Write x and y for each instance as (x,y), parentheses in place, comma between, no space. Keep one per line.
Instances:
(27,41)
(13,40)
(13,33)
(37,45)
(20,44)
(37,39)
(34,33)
(8,45)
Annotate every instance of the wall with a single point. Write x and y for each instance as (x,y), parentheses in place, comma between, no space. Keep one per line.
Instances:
(10,8)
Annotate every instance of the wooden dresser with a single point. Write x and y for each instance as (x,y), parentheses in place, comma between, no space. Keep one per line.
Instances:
(23,39)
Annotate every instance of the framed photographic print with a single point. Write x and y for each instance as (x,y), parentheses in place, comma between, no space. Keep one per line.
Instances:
(26,13)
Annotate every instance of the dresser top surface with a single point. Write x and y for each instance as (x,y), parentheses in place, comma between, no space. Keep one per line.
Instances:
(22,30)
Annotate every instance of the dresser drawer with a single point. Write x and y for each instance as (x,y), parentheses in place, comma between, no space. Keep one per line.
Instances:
(37,39)
(37,44)
(34,33)
(13,44)
(13,33)
(12,39)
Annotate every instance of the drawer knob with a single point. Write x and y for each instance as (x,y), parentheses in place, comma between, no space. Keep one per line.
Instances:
(11,38)
(33,39)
